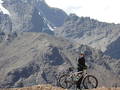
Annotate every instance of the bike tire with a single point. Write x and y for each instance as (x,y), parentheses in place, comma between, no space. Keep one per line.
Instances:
(88,82)
(65,81)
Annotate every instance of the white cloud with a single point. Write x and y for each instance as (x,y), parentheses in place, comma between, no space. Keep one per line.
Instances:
(2,9)
(103,10)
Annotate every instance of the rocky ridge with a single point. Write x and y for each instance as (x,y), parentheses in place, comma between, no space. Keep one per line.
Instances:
(85,30)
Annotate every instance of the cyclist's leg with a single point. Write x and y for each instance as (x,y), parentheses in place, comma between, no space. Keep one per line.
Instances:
(79,69)
(80,80)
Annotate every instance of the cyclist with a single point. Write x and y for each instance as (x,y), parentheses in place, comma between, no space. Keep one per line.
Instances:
(81,67)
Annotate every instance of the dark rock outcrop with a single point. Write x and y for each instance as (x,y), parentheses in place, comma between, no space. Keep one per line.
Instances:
(113,49)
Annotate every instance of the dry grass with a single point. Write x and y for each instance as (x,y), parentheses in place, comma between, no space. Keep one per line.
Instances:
(37,87)
(103,88)
(49,87)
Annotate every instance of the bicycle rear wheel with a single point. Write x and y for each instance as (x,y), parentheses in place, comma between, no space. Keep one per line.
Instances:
(65,81)
(90,81)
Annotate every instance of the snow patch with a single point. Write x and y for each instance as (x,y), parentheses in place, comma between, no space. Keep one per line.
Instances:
(51,28)
(2,9)
(39,13)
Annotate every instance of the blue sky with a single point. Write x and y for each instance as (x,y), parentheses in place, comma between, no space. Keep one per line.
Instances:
(102,10)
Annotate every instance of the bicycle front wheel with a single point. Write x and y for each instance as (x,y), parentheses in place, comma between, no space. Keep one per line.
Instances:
(65,81)
(90,82)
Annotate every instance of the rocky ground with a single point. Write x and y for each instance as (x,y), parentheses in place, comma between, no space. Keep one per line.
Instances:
(49,87)
(37,87)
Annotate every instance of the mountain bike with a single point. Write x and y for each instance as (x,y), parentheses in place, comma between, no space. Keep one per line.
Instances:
(68,80)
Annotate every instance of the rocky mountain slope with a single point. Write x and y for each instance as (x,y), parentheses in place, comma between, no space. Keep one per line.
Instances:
(114,49)
(89,31)
(36,58)
(54,15)
(30,16)
(5,23)
(37,16)
(25,17)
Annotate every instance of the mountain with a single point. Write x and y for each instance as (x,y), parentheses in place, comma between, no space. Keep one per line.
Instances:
(25,17)
(37,58)
(36,16)
(30,16)
(54,15)
(85,30)
(28,56)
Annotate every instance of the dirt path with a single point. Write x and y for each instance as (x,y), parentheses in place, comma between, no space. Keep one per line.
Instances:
(49,87)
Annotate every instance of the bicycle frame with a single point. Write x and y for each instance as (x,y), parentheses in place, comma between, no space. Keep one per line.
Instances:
(76,76)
